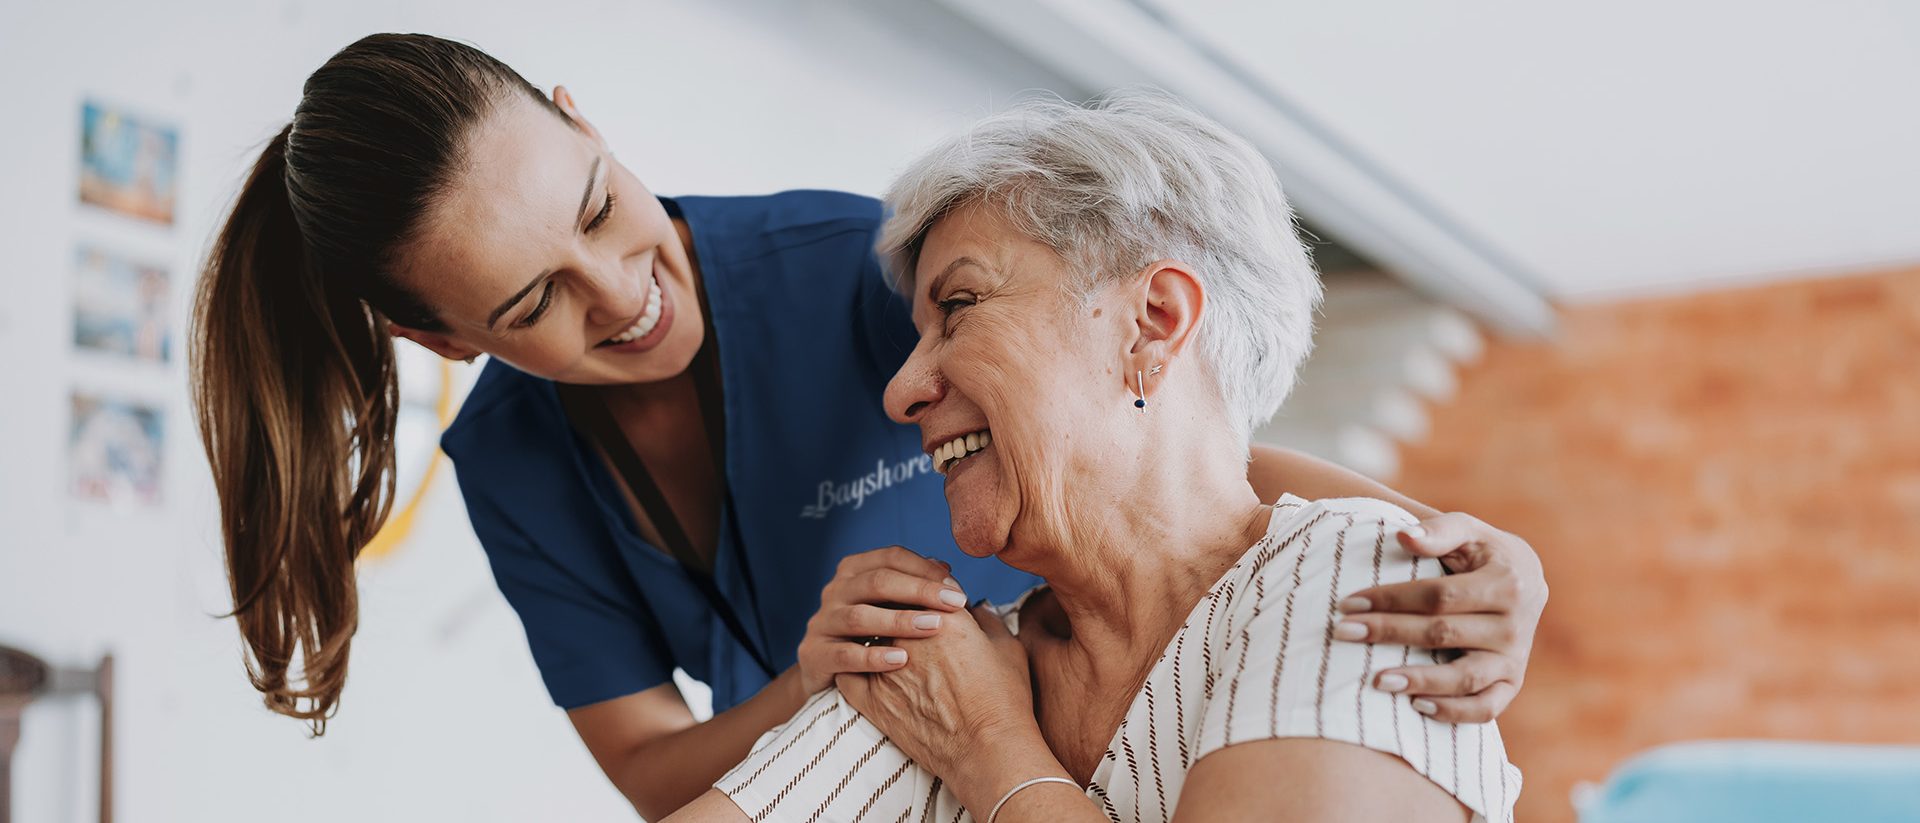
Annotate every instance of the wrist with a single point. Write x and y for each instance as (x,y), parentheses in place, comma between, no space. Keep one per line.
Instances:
(791,687)
(1035,783)
(989,771)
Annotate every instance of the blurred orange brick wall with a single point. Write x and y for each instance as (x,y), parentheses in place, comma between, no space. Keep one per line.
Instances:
(1725,490)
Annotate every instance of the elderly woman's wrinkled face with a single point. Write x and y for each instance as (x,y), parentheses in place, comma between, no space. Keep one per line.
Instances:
(1015,383)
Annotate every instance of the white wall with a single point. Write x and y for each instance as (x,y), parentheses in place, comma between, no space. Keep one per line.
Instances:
(444,717)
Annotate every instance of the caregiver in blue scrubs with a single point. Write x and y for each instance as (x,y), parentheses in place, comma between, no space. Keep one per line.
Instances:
(676,456)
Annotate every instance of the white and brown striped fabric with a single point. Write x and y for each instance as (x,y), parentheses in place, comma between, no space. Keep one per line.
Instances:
(1255,660)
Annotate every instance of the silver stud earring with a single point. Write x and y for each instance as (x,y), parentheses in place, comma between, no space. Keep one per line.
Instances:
(1153,371)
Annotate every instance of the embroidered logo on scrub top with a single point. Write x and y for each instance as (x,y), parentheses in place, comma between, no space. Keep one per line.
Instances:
(854,492)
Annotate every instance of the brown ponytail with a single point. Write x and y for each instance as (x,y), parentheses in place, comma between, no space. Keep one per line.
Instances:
(294,387)
(293,371)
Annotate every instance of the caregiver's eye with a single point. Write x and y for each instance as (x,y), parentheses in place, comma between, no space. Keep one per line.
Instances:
(546,299)
(606,211)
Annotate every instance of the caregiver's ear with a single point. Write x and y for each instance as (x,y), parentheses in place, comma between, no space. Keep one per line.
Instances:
(564,99)
(435,342)
(1171,299)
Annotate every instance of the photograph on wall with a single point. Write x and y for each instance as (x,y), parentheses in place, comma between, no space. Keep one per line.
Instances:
(120,305)
(114,450)
(127,164)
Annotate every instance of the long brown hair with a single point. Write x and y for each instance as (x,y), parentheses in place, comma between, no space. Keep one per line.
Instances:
(293,370)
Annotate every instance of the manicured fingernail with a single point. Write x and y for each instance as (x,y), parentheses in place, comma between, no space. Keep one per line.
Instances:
(953,598)
(1414,532)
(1393,683)
(952,584)
(1349,630)
(926,622)
(895,657)
(1356,604)
(1422,706)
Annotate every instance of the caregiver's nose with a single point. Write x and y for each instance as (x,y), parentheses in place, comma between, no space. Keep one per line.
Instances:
(616,292)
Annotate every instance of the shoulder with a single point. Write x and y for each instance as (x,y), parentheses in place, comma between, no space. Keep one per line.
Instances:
(1324,527)
(804,208)
(1293,513)
(504,405)
(1320,532)
(1274,670)
(756,225)
(1315,551)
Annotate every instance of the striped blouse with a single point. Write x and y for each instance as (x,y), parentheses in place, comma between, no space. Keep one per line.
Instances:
(1255,660)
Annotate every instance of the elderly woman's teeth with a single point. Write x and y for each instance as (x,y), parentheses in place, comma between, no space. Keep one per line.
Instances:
(648,319)
(959,448)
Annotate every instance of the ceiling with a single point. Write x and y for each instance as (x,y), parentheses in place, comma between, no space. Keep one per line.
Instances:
(1617,148)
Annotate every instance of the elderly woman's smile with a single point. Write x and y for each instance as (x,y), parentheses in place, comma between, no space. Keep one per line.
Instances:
(953,451)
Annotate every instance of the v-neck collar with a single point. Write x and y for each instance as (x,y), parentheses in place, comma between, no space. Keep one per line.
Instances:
(1103,770)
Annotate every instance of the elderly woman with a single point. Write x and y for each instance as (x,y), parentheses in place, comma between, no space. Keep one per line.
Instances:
(1110,299)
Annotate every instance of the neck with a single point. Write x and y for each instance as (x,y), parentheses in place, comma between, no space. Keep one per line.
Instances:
(653,397)
(1125,581)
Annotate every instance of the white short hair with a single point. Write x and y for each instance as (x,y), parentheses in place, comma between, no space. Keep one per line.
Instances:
(1129,178)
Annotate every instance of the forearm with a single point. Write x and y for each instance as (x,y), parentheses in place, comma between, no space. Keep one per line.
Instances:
(1276,471)
(671,770)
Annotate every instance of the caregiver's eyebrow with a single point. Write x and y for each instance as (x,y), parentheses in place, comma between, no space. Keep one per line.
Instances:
(593,174)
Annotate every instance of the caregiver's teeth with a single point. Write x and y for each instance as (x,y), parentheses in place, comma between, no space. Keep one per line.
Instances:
(648,319)
(952,451)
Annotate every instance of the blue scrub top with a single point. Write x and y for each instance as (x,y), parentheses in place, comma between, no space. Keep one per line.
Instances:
(809,335)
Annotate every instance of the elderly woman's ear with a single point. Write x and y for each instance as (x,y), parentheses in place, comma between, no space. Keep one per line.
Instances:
(1169,299)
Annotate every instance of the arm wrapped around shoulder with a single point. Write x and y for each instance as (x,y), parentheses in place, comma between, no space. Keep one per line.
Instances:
(1277,673)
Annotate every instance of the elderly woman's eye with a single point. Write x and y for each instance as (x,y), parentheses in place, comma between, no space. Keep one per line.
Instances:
(947,307)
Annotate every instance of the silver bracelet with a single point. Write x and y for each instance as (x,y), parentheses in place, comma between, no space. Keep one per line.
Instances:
(1016,790)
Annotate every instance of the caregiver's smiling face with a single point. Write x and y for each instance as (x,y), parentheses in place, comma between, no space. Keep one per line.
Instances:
(546,252)
(1014,383)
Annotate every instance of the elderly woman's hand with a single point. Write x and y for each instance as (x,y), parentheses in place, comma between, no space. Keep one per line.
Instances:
(964,689)
(1487,609)
(865,599)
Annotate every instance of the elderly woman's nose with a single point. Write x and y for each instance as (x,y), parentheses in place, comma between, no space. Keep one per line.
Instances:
(914,388)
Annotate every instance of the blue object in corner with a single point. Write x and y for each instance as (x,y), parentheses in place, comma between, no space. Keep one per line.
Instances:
(1752,781)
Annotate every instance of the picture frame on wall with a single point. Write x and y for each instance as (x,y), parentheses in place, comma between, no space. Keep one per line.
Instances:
(121,305)
(115,449)
(129,164)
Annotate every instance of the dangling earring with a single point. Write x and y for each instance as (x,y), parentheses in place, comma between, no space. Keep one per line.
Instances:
(1140,381)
